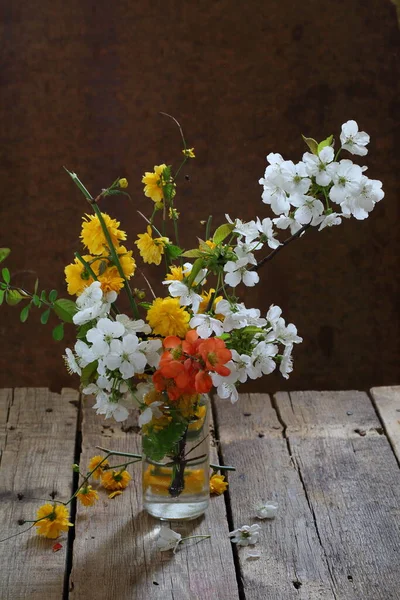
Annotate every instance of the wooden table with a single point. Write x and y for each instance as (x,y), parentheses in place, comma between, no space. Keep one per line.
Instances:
(330,459)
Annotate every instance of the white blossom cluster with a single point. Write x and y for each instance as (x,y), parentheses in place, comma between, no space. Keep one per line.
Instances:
(257,341)
(115,347)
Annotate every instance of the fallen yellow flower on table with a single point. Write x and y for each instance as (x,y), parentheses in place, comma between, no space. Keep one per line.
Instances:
(113,494)
(87,495)
(52,520)
(115,480)
(94,463)
(218,485)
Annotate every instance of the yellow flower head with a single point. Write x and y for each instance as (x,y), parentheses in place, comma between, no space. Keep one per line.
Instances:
(54,518)
(175,274)
(115,480)
(166,317)
(111,280)
(189,153)
(92,235)
(123,183)
(127,261)
(151,250)
(173,213)
(87,495)
(206,300)
(94,463)
(76,276)
(153,183)
(218,485)
(210,244)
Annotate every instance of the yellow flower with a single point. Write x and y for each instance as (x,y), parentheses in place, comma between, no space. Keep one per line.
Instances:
(153,183)
(206,300)
(200,413)
(189,152)
(127,261)
(111,280)
(218,485)
(53,520)
(166,317)
(123,183)
(94,462)
(115,480)
(210,244)
(187,404)
(175,274)
(151,250)
(114,494)
(173,213)
(76,277)
(92,235)
(87,495)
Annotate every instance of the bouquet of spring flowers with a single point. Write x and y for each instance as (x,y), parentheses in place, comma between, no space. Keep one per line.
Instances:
(166,355)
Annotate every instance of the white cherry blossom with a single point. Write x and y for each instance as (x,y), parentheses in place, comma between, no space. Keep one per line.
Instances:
(346,177)
(84,353)
(168,539)
(274,193)
(186,295)
(126,357)
(262,360)
(71,362)
(308,208)
(286,221)
(363,201)
(104,406)
(242,363)
(286,365)
(237,272)
(138,326)
(246,535)
(265,227)
(327,220)
(206,325)
(295,177)
(352,140)
(286,334)
(225,385)
(316,165)
(151,350)
(267,510)
(151,411)
(101,336)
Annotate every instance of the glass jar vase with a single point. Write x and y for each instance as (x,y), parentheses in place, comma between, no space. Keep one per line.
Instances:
(176,459)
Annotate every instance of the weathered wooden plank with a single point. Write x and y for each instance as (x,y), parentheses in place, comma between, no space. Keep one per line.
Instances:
(352,481)
(37,458)
(292,564)
(5,403)
(114,548)
(387,403)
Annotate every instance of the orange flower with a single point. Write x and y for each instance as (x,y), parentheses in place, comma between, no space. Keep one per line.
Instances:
(215,354)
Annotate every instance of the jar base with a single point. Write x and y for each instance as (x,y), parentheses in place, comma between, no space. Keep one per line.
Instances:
(176,511)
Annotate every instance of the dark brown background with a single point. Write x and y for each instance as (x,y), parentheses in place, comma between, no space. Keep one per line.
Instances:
(82,84)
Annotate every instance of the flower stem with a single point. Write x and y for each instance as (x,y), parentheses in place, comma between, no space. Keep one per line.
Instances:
(131,462)
(285,243)
(222,467)
(115,453)
(86,479)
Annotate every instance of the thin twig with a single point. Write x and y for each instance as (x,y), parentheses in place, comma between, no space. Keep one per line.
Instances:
(285,243)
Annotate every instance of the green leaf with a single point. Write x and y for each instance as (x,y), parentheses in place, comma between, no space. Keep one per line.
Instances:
(2,292)
(83,329)
(222,232)
(324,143)
(87,373)
(53,296)
(13,297)
(102,267)
(35,289)
(4,252)
(36,300)
(43,296)
(192,253)
(173,251)
(58,332)
(24,313)
(197,265)
(45,316)
(65,309)
(157,444)
(6,275)
(311,143)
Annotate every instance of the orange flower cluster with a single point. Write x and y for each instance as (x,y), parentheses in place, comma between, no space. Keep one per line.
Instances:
(185,365)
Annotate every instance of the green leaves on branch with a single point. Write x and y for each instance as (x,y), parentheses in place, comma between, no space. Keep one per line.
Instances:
(316,147)
(65,309)
(14,297)
(222,232)
(24,314)
(4,252)
(197,265)
(58,332)
(173,251)
(6,275)
(88,372)
(324,143)
(160,443)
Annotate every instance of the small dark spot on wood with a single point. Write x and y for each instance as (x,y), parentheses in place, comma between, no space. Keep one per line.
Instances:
(75,403)
(49,410)
(361,432)
(92,537)
(349,577)
(247,414)
(20,496)
(71,586)
(297,584)
(11,428)
(155,583)
(261,435)
(129,429)
(21,522)
(53,494)
(349,412)
(379,430)
(397,409)
(106,426)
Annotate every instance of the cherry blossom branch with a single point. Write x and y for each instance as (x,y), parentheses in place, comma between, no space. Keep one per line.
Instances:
(285,243)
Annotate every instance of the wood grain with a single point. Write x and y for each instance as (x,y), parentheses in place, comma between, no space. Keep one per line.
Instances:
(5,403)
(351,479)
(387,403)
(37,458)
(114,549)
(292,564)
